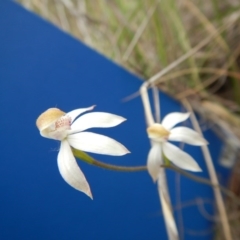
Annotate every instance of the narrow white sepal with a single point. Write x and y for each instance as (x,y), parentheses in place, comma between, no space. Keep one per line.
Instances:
(75,113)
(96,120)
(154,160)
(96,143)
(170,120)
(70,170)
(180,158)
(187,135)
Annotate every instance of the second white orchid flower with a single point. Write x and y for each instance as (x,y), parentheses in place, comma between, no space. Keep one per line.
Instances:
(70,130)
(160,134)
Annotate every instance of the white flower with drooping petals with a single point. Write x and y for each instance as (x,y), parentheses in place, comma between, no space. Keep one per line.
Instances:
(160,134)
(70,130)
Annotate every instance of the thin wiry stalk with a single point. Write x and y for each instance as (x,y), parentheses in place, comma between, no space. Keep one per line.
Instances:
(213,176)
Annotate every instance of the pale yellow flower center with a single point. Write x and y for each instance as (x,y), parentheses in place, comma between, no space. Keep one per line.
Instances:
(53,123)
(157,132)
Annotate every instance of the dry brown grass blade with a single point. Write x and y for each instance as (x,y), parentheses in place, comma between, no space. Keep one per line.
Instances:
(213,176)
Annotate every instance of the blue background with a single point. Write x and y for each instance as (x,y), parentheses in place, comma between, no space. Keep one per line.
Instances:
(42,67)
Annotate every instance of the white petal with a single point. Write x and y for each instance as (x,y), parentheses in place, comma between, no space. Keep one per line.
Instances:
(75,113)
(96,119)
(187,135)
(96,143)
(174,118)
(154,160)
(70,170)
(180,158)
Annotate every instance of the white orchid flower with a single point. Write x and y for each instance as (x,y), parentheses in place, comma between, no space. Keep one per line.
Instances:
(160,134)
(70,130)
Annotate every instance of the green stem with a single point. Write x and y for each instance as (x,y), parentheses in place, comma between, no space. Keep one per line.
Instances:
(119,168)
(86,158)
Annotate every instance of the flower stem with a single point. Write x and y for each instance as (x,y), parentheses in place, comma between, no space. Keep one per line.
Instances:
(119,168)
(86,158)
